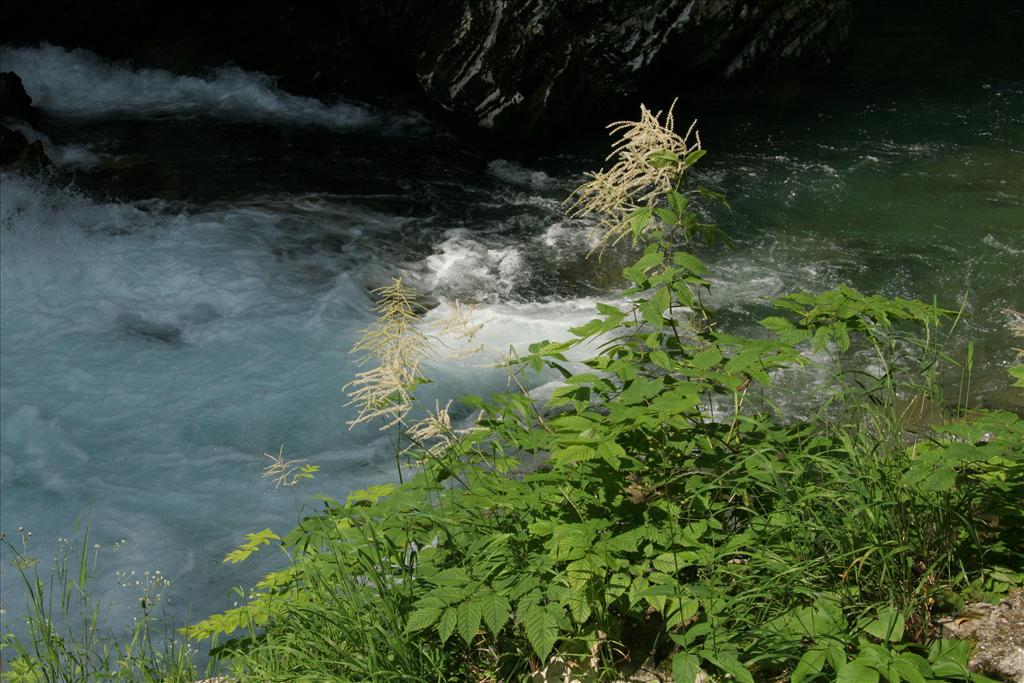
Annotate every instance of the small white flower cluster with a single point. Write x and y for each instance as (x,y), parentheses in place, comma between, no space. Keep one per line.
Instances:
(152,583)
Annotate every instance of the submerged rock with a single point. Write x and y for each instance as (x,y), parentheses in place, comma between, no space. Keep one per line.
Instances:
(135,326)
(18,154)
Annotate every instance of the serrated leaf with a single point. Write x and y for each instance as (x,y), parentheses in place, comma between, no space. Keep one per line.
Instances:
(640,389)
(591,327)
(842,336)
(422,618)
(572,423)
(627,541)
(673,562)
(446,624)
(579,605)
(251,545)
(570,541)
(680,610)
(662,158)
(777,324)
(495,610)
(662,360)
(685,668)
(707,358)
(541,629)
(469,613)
(453,576)
(637,590)
(667,215)
(653,309)
(690,262)
(618,584)
(639,219)
(611,452)
(648,261)
(574,453)
(821,337)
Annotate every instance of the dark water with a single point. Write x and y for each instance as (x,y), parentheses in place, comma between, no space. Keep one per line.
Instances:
(180,300)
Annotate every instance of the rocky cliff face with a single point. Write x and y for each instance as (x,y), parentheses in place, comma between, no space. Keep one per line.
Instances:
(529,67)
(522,69)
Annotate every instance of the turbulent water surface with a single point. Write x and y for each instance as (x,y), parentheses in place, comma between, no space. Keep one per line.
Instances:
(154,348)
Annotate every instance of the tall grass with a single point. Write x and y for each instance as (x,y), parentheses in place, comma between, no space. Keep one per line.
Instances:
(64,637)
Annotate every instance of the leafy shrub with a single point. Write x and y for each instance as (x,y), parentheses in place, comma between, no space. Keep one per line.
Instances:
(680,519)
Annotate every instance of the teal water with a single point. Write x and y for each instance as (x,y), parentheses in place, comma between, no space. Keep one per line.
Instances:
(162,329)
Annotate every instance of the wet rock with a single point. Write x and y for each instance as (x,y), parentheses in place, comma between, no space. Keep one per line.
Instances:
(14,101)
(12,144)
(33,158)
(529,68)
(522,70)
(16,153)
(997,634)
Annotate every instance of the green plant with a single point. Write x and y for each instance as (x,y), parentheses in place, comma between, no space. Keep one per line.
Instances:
(680,518)
(64,637)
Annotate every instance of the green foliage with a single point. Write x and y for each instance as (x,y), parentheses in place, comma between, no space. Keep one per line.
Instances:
(64,638)
(680,516)
(251,545)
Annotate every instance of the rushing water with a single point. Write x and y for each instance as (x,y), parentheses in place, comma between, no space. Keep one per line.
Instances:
(153,348)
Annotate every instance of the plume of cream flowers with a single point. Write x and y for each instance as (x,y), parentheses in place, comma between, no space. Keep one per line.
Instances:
(650,158)
(287,472)
(398,347)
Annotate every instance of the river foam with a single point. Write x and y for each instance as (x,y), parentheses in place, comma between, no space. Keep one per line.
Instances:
(78,83)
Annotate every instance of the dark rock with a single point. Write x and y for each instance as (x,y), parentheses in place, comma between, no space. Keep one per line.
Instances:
(524,70)
(14,101)
(530,68)
(12,144)
(15,150)
(33,158)
(17,153)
